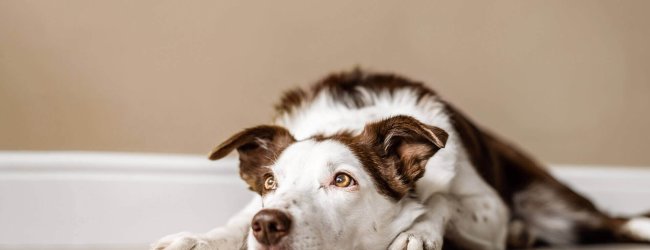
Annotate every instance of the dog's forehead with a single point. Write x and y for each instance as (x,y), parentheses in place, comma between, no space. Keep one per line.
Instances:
(314,156)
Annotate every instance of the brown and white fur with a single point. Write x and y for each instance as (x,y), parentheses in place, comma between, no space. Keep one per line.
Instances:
(423,175)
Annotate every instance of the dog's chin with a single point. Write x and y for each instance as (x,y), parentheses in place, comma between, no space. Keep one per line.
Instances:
(290,242)
(282,245)
(274,247)
(286,244)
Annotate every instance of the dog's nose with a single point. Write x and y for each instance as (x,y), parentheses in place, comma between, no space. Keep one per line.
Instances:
(270,226)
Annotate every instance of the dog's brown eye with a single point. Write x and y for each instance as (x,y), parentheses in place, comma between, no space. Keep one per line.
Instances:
(269,183)
(343,180)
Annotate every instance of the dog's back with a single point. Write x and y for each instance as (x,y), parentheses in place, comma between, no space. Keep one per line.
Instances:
(543,211)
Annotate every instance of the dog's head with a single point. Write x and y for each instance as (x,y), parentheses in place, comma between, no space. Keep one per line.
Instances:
(341,191)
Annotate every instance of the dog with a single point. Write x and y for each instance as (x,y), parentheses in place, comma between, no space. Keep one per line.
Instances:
(366,160)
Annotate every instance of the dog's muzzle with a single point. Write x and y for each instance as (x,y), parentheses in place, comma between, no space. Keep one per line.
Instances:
(270,226)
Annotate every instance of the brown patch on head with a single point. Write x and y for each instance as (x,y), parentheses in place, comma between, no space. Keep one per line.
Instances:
(258,148)
(395,151)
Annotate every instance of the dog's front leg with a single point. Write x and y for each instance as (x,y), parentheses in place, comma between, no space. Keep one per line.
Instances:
(231,236)
(428,230)
(478,221)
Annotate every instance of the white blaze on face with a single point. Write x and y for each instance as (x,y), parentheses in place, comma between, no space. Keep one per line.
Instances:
(324,215)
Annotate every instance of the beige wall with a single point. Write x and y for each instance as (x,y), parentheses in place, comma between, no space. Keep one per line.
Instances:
(567,80)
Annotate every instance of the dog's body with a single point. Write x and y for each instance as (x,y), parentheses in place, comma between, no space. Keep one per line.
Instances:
(369,161)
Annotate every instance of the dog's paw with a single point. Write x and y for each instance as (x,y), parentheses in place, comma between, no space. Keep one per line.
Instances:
(182,241)
(415,241)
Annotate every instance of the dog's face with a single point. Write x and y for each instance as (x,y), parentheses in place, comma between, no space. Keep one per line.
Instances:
(343,191)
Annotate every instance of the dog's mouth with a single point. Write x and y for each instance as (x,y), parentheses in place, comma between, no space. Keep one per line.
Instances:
(273,248)
(282,245)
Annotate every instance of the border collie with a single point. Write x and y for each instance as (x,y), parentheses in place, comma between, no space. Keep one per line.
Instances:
(377,161)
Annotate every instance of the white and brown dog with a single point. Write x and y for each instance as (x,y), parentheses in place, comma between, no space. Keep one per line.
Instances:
(376,161)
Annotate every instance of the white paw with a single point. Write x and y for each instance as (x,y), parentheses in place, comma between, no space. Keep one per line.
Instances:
(638,228)
(182,241)
(412,240)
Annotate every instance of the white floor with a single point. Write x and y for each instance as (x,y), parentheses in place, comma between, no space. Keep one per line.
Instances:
(144,247)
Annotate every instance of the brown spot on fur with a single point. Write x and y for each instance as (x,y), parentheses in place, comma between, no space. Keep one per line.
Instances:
(291,99)
(345,87)
(384,178)
(394,152)
(513,173)
(258,148)
(519,236)
(322,137)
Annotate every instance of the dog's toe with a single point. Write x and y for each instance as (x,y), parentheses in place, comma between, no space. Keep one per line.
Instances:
(180,241)
(414,241)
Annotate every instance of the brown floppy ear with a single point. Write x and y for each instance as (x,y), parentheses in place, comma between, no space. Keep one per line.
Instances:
(404,145)
(258,147)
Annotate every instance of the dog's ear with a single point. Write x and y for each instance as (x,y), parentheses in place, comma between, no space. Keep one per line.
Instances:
(404,145)
(258,147)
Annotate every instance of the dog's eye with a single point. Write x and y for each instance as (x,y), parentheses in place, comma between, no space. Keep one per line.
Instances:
(343,180)
(269,183)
